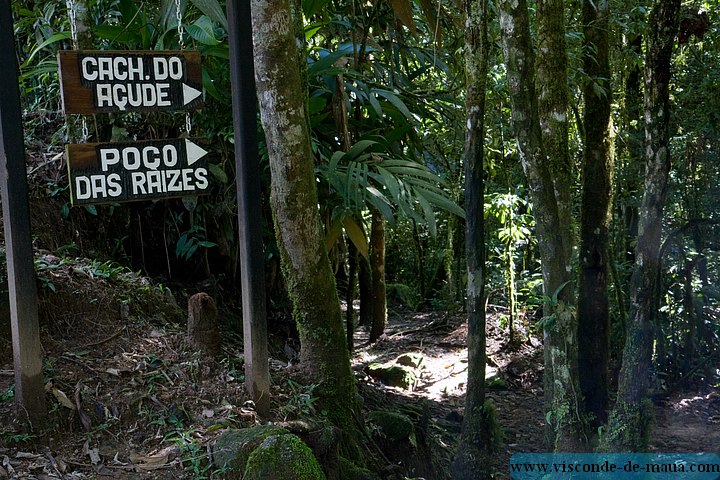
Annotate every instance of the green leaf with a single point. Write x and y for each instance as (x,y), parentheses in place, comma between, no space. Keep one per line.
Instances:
(395,101)
(332,234)
(326,64)
(359,148)
(214,10)
(356,236)
(311,7)
(203,31)
(58,37)
(218,173)
(441,202)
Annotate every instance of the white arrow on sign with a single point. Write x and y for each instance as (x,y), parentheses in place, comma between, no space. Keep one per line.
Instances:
(194,152)
(190,94)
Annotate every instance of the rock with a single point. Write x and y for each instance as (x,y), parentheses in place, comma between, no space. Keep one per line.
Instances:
(233,448)
(393,375)
(413,360)
(394,426)
(283,457)
(202,325)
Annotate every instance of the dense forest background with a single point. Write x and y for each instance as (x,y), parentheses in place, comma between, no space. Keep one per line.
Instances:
(556,159)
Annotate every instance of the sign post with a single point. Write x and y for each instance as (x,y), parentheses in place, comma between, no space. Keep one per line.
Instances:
(242,76)
(96,81)
(27,353)
(145,170)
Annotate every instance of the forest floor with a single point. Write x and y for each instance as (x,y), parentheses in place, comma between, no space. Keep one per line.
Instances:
(134,400)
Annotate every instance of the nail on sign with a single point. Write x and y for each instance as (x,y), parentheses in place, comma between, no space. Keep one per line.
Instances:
(122,172)
(122,81)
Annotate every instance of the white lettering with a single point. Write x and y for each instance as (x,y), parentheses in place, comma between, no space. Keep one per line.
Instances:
(151,157)
(154,181)
(108,156)
(187,179)
(174,184)
(175,68)
(105,68)
(170,156)
(88,63)
(131,158)
(201,178)
(163,95)
(160,67)
(138,183)
(82,188)
(114,187)
(103,93)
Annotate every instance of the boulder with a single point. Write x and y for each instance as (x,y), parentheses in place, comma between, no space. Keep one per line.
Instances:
(283,457)
(233,448)
(393,375)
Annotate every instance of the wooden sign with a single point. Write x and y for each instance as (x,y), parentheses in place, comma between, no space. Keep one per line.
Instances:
(124,81)
(123,172)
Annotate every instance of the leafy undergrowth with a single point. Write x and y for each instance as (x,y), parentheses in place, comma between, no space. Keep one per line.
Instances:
(130,397)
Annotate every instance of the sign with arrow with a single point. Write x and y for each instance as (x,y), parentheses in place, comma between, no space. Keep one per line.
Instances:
(123,172)
(129,81)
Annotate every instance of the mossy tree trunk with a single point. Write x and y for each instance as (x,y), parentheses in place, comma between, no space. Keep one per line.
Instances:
(596,205)
(630,420)
(473,459)
(310,283)
(564,430)
(377,266)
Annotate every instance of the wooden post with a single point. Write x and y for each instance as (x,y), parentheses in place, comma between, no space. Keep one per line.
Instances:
(242,75)
(27,353)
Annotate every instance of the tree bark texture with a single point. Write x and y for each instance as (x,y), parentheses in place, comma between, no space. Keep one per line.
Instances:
(552,91)
(596,210)
(630,421)
(202,326)
(562,397)
(324,356)
(377,267)
(473,459)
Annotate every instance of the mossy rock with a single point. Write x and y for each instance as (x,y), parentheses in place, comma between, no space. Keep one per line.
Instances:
(233,448)
(394,426)
(412,360)
(350,471)
(283,457)
(393,375)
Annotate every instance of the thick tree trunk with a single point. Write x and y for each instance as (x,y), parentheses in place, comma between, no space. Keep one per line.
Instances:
(475,453)
(377,266)
(306,268)
(563,403)
(630,421)
(596,209)
(552,92)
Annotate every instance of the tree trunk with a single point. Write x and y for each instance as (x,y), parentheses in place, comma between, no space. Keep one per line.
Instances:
(350,294)
(596,210)
(473,459)
(552,91)
(377,266)
(324,356)
(629,425)
(365,291)
(565,426)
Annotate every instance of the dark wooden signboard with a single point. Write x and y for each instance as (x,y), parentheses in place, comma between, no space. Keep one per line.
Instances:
(124,172)
(118,81)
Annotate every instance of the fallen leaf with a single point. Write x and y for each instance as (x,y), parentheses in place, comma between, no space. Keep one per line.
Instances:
(62,398)
(94,454)
(208,413)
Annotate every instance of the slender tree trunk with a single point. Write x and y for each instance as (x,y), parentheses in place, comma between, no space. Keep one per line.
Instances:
(324,356)
(350,294)
(479,437)
(562,395)
(630,421)
(596,210)
(377,266)
(365,291)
